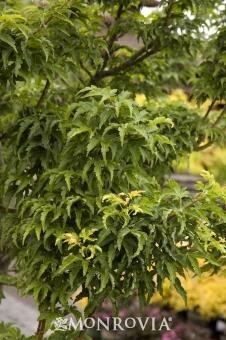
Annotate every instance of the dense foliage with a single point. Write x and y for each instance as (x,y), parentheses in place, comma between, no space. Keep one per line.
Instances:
(85,204)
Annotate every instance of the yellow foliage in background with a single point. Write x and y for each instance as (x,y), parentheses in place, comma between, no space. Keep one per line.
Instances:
(206,294)
(212,159)
(81,304)
(178,95)
(140,99)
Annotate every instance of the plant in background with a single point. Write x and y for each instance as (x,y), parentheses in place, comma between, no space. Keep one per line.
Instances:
(84,202)
(205,294)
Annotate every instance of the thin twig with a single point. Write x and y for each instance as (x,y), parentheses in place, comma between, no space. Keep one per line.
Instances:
(110,44)
(210,107)
(114,35)
(168,11)
(208,144)
(44,93)
(204,146)
(84,68)
(219,117)
(188,205)
(200,139)
(81,80)
(44,25)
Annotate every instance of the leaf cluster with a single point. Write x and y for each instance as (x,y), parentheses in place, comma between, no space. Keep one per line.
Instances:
(77,225)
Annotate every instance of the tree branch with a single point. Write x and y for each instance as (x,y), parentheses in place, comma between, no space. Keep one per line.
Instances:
(204,146)
(114,35)
(209,109)
(200,139)
(110,42)
(195,199)
(136,57)
(85,69)
(168,11)
(44,25)
(44,93)
(41,329)
(82,80)
(220,116)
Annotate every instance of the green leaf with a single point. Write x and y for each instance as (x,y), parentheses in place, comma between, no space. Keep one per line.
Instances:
(85,266)
(104,149)
(123,232)
(69,202)
(6,38)
(171,270)
(98,173)
(194,263)
(180,289)
(68,176)
(141,237)
(77,131)
(104,281)
(122,133)
(111,254)
(92,144)
(66,263)
(160,120)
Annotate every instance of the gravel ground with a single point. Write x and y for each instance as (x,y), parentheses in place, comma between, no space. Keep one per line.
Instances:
(18,311)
